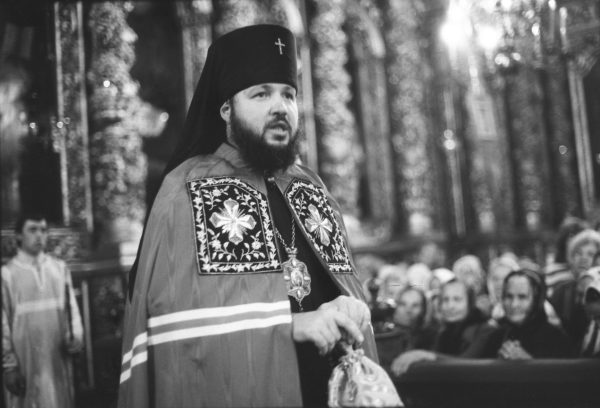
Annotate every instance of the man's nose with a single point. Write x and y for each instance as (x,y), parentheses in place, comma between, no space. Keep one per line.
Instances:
(278,106)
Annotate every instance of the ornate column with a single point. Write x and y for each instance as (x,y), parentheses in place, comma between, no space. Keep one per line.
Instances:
(234,14)
(70,133)
(561,136)
(485,162)
(525,117)
(196,32)
(334,122)
(117,162)
(407,76)
(369,53)
(580,41)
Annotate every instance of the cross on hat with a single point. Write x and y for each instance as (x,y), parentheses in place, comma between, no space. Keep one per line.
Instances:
(279,44)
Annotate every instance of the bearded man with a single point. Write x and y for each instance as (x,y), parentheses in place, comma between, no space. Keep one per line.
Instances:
(244,282)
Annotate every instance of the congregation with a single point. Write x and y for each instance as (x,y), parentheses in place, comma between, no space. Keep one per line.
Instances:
(515,309)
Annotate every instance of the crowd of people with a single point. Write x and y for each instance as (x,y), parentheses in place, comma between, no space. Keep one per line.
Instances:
(514,309)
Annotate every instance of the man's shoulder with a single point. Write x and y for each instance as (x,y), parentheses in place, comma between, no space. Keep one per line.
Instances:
(173,187)
(308,173)
(51,259)
(198,167)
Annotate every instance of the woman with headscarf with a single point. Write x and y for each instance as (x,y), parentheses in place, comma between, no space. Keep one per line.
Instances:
(462,323)
(581,252)
(558,270)
(410,329)
(527,333)
(464,332)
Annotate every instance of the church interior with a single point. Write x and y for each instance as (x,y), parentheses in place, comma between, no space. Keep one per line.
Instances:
(472,126)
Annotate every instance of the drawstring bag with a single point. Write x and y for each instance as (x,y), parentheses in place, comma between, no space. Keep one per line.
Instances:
(357,381)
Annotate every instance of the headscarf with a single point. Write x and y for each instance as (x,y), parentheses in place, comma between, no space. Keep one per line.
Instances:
(535,334)
(443,275)
(537,313)
(420,320)
(450,340)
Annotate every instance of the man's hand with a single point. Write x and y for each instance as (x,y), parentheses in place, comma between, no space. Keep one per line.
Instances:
(512,350)
(325,327)
(355,309)
(403,362)
(15,382)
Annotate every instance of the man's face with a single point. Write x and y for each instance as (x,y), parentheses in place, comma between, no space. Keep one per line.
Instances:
(34,236)
(263,123)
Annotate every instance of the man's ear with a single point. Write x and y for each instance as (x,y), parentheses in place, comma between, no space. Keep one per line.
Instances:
(225,111)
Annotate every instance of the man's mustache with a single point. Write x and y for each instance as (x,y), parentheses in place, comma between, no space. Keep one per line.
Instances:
(279,122)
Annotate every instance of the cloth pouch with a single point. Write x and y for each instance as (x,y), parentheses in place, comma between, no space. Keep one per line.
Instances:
(357,381)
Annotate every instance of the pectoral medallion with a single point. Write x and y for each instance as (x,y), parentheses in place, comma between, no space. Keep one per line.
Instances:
(295,274)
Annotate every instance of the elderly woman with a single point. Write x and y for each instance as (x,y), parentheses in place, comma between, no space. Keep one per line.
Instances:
(410,328)
(464,331)
(558,271)
(581,252)
(498,271)
(526,331)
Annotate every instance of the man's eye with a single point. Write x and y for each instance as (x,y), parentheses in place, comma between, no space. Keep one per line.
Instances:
(260,95)
(290,96)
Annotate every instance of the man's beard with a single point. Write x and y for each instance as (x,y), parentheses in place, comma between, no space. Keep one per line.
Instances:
(255,150)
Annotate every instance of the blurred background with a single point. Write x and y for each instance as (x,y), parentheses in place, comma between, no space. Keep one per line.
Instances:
(442,127)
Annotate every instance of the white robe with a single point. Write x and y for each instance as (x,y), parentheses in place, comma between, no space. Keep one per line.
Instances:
(35,328)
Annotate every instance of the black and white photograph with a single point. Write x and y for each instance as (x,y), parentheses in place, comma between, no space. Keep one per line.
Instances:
(300,203)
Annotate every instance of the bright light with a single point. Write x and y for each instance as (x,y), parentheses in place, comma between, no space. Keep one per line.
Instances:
(506,4)
(457,28)
(488,37)
(449,144)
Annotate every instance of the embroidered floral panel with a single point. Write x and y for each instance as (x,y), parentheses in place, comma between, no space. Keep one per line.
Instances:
(234,231)
(317,219)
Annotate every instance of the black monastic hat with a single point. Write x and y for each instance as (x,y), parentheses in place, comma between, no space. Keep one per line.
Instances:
(239,59)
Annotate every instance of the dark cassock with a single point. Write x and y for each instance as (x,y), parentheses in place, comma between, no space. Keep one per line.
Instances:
(229,253)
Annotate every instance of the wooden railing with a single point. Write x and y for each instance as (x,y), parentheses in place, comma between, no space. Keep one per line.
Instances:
(573,383)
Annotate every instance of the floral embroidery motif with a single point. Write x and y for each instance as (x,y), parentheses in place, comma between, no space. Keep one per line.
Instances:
(317,218)
(316,223)
(233,221)
(234,231)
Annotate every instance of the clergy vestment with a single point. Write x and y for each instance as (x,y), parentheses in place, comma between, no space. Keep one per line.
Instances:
(35,328)
(209,321)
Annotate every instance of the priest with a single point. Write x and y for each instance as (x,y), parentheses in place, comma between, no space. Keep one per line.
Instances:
(244,282)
